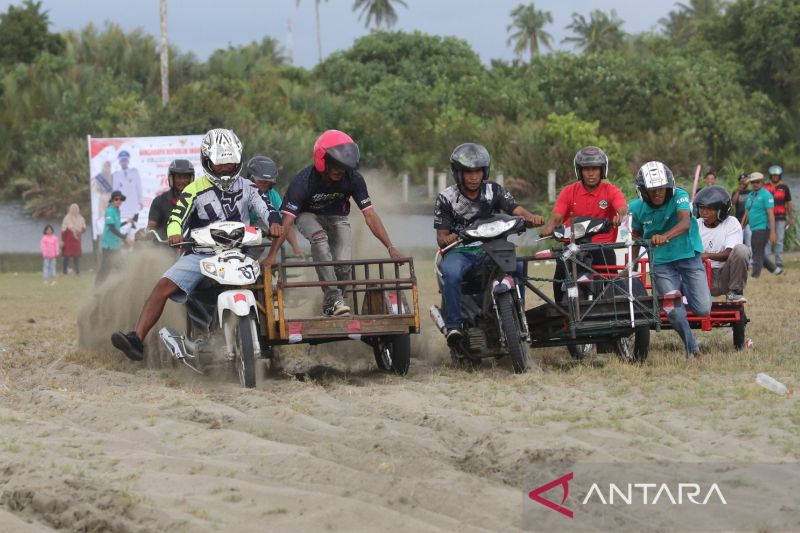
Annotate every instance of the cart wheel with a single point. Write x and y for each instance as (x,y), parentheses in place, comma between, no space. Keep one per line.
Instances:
(393,353)
(580,351)
(634,348)
(738,328)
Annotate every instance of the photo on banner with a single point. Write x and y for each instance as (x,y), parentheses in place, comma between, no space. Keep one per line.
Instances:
(136,166)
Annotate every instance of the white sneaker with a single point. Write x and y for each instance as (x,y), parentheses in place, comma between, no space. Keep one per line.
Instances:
(778,271)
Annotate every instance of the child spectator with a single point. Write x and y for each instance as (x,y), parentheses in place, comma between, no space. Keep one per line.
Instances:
(49,247)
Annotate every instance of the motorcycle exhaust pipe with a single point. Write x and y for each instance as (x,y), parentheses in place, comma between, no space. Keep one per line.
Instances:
(436,316)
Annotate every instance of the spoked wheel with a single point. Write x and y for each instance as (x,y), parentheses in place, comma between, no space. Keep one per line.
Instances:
(739,328)
(244,350)
(580,352)
(393,353)
(509,321)
(634,348)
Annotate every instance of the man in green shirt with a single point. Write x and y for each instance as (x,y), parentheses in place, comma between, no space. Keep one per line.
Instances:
(759,214)
(663,214)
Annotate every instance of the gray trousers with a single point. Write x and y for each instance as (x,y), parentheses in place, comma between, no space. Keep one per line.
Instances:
(733,275)
(759,241)
(331,240)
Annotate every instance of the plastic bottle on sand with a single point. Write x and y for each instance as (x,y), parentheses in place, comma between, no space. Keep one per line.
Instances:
(772,384)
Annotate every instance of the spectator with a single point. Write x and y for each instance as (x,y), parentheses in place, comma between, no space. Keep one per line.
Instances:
(783,211)
(72,228)
(663,215)
(722,243)
(711,179)
(112,237)
(49,247)
(738,199)
(761,218)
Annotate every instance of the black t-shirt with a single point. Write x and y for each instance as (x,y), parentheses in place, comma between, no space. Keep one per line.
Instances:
(160,210)
(454,211)
(739,207)
(310,192)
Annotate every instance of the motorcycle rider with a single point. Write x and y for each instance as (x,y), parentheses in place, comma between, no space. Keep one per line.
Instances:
(662,213)
(471,198)
(220,194)
(592,196)
(179,175)
(318,199)
(263,171)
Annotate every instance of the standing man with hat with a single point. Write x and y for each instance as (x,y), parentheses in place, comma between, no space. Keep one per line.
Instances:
(759,213)
(128,182)
(783,211)
(112,237)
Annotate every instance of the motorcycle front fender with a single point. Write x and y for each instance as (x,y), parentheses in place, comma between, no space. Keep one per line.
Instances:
(502,252)
(239,302)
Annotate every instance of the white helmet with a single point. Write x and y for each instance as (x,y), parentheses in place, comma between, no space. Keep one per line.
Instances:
(220,147)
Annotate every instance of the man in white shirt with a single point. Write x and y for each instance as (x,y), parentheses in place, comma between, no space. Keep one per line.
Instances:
(129,183)
(722,243)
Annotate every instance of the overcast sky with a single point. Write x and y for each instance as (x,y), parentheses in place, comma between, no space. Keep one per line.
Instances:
(202,26)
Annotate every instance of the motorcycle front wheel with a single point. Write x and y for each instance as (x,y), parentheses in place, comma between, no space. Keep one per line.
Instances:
(244,350)
(509,321)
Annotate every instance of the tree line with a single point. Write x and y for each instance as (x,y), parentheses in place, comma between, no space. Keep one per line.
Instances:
(718,85)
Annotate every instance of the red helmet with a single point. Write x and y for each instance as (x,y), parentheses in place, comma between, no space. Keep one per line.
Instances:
(339,147)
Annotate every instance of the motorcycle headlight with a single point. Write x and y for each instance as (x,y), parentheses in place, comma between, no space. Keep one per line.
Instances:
(228,238)
(209,268)
(491,229)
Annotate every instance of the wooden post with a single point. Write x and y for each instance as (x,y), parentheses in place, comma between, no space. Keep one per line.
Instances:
(164,55)
(551,185)
(442,181)
(500,179)
(430,184)
(405,178)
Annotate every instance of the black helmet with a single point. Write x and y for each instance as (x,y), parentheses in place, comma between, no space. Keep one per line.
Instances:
(180,166)
(262,169)
(654,175)
(591,156)
(713,197)
(469,156)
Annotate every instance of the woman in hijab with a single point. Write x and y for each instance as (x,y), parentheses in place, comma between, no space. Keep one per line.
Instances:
(72,227)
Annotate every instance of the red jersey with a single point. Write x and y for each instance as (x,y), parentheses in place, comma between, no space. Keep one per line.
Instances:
(782,194)
(603,202)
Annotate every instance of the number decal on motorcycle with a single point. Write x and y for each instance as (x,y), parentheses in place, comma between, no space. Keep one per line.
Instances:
(247,271)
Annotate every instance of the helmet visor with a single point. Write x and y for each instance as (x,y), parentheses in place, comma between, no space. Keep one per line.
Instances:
(347,155)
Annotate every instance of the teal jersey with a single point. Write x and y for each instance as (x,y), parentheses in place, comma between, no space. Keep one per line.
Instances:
(757,204)
(112,218)
(274,198)
(649,221)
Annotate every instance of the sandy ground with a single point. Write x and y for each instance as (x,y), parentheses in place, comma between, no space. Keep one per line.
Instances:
(92,442)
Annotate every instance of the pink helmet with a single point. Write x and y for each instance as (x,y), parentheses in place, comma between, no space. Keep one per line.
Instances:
(339,147)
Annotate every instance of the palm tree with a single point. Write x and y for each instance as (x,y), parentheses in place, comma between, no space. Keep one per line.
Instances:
(319,36)
(600,32)
(681,25)
(528,21)
(380,11)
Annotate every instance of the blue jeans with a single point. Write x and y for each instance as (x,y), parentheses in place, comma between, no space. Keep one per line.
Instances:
(454,267)
(780,232)
(689,277)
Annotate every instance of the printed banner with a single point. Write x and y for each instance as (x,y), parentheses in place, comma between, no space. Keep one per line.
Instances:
(136,166)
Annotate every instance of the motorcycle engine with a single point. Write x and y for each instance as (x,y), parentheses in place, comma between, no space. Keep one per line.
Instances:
(477,340)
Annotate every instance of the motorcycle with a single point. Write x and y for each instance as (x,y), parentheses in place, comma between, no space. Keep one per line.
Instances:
(581,286)
(222,307)
(492,307)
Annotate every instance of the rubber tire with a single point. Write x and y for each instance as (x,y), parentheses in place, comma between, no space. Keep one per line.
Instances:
(640,346)
(246,355)
(739,330)
(399,351)
(509,321)
(579,352)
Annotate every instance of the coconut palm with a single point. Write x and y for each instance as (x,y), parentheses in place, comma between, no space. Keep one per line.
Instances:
(529,35)
(682,23)
(319,35)
(381,12)
(600,32)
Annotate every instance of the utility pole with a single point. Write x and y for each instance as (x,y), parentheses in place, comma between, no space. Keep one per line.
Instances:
(164,55)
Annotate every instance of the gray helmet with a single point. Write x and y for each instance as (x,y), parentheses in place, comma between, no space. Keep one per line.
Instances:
(180,166)
(591,156)
(261,168)
(713,197)
(220,147)
(654,175)
(469,156)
